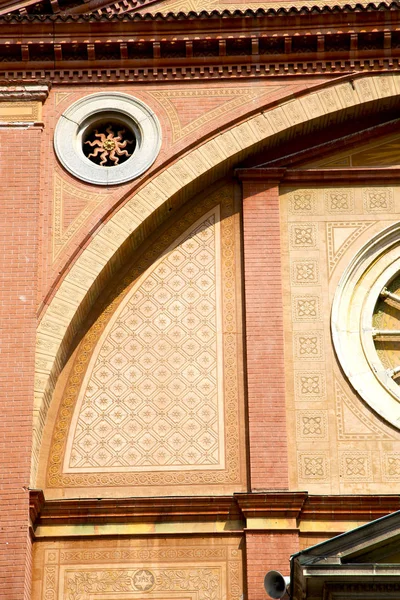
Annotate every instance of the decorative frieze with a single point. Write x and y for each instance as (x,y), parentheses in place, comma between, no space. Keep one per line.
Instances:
(302,202)
(308,345)
(311,424)
(203,569)
(303,235)
(210,53)
(378,200)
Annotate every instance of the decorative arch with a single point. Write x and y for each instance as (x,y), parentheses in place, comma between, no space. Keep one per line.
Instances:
(179,181)
(152,396)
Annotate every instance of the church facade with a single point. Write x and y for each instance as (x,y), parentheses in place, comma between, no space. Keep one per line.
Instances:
(200,309)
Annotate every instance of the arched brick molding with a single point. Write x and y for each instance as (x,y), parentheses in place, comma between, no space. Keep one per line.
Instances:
(182,179)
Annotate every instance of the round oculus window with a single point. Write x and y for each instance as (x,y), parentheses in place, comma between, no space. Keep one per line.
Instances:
(366,323)
(107,138)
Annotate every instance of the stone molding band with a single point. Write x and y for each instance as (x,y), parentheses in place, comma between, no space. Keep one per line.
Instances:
(214,72)
(24,92)
(202,48)
(241,507)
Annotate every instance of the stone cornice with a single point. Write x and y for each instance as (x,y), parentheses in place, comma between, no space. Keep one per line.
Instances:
(143,510)
(302,506)
(325,175)
(23,92)
(36,503)
(14,11)
(134,47)
(268,174)
(270,505)
(352,508)
(299,506)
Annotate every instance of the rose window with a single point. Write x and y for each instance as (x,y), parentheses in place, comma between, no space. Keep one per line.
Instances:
(366,323)
(107,138)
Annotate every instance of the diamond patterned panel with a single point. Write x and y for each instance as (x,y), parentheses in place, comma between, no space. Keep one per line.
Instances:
(151,398)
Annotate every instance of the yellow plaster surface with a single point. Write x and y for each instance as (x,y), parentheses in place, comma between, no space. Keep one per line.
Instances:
(20,112)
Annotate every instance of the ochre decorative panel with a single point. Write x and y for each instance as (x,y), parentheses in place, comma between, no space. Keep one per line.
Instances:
(337,443)
(71,208)
(150,398)
(155,569)
(340,236)
(22,112)
(354,424)
(154,395)
(211,104)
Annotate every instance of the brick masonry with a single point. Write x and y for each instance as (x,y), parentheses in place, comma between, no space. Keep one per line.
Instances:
(22,219)
(264,336)
(266,551)
(19,212)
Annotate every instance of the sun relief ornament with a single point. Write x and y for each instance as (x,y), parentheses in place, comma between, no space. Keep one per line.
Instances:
(111,130)
(109,146)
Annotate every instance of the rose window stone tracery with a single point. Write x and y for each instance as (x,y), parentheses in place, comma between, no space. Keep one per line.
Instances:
(386,328)
(366,323)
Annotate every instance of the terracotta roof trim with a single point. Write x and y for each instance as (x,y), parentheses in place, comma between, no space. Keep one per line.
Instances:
(215,14)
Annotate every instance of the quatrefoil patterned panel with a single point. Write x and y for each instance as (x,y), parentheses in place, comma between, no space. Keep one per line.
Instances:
(152,397)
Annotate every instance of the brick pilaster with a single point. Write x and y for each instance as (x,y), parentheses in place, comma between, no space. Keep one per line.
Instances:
(264,336)
(266,551)
(19,213)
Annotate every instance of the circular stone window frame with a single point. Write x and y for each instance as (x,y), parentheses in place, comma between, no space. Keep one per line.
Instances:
(104,106)
(356,296)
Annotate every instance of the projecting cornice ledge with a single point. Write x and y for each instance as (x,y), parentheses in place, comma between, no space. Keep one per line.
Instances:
(21,103)
(24,92)
(258,511)
(328,175)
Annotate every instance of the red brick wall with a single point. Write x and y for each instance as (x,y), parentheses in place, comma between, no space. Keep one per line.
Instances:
(190,107)
(264,337)
(19,211)
(266,551)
